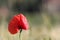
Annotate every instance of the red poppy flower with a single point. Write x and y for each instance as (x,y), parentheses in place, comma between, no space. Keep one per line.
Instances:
(18,22)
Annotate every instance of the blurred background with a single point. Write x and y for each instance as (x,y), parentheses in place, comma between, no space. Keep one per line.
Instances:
(43,17)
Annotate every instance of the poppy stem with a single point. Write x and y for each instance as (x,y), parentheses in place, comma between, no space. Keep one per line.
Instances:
(20,30)
(20,38)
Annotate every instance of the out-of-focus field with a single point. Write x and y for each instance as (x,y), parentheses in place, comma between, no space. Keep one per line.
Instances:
(43,17)
(42,27)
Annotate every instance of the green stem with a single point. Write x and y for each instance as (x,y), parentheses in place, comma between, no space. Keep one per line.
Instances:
(20,38)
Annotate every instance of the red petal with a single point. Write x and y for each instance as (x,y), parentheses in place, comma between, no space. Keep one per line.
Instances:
(13,25)
(24,23)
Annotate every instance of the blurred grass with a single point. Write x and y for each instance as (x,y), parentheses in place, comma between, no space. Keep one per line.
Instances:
(42,27)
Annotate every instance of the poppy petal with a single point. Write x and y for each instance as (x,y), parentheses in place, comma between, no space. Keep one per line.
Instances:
(24,23)
(13,25)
